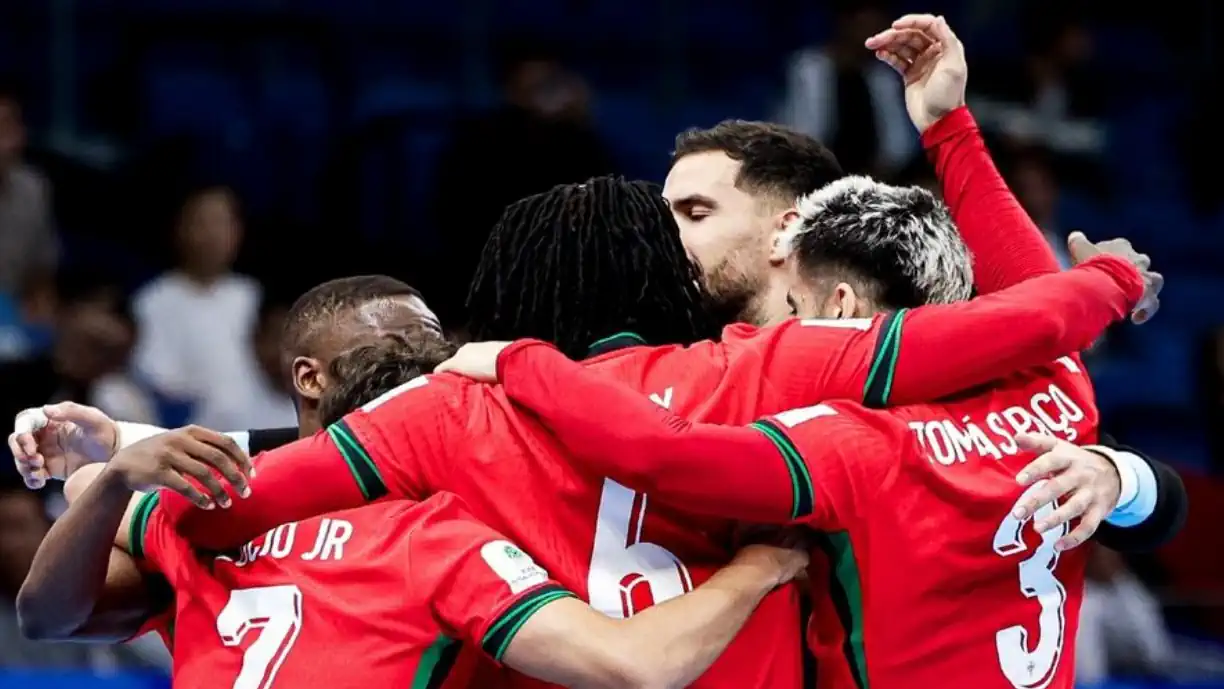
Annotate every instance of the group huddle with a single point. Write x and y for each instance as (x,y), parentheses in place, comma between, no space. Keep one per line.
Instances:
(680,414)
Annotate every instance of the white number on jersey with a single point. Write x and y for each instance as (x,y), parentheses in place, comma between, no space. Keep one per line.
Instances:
(276,611)
(622,564)
(1034,669)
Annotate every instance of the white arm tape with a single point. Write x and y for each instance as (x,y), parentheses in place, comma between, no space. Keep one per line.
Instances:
(131,433)
(1139,490)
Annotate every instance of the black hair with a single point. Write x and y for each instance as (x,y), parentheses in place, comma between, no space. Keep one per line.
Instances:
(585,261)
(773,159)
(312,312)
(364,373)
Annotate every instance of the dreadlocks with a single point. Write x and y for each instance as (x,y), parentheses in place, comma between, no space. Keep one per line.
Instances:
(584,261)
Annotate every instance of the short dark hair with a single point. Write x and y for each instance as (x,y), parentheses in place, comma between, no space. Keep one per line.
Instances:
(774,159)
(364,373)
(898,244)
(311,313)
(585,261)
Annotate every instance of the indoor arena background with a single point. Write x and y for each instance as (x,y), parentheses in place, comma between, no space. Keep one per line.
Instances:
(356,136)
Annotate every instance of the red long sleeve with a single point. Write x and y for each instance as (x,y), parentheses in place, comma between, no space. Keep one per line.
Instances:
(726,471)
(948,348)
(1007,246)
(294,482)
(934,351)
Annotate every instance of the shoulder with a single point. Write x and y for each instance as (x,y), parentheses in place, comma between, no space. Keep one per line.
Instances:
(28,180)
(158,292)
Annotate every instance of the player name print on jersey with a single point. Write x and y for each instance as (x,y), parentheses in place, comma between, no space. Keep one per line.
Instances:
(1049,411)
(326,543)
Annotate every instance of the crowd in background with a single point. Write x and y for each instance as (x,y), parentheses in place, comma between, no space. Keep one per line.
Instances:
(150,275)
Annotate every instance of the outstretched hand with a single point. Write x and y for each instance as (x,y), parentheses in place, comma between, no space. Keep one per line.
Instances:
(1081,249)
(931,60)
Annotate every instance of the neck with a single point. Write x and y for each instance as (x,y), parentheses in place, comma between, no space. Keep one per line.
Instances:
(308,418)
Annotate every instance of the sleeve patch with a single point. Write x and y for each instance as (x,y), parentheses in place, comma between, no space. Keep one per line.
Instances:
(793,417)
(512,565)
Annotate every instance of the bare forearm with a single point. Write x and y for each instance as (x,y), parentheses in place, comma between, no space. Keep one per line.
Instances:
(670,645)
(678,640)
(68,577)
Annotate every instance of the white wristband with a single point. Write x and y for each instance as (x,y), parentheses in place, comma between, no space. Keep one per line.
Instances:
(1139,490)
(130,433)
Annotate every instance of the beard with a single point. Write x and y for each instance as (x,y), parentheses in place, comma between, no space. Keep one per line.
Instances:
(733,293)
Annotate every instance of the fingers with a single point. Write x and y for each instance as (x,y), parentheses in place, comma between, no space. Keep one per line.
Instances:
(234,464)
(1047,464)
(75,413)
(1080,248)
(29,461)
(934,26)
(183,487)
(1036,442)
(1046,493)
(1071,508)
(1080,534)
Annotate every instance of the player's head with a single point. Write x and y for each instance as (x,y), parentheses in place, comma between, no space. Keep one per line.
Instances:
(860,246)
(371,369)
(336,317)
(731,188)
(585,261)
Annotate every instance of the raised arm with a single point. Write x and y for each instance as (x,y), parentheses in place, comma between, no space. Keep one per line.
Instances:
(1007,246)
(923,354)
(667,645)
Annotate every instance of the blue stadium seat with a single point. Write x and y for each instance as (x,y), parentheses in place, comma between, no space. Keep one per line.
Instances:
(198,101)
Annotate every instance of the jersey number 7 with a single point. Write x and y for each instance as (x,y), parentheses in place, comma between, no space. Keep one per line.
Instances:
(276,612)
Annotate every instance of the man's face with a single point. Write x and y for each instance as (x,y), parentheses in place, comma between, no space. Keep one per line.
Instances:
(357,327)
(728,231)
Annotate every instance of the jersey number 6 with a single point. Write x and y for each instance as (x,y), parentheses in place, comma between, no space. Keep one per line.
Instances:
(1034,669)
(623,567)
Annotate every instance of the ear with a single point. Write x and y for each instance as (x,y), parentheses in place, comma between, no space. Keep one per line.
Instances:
(778,252)
(309,378)
(844,302)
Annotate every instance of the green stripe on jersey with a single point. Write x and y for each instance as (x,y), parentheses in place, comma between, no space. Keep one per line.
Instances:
(502,631)
(436,663)
(804,493)
(884,364)
(846,591)
(365,472)
(139,525)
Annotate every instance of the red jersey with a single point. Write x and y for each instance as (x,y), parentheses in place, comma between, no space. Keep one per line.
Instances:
(612,544)
(379,596)
(918,506)
(932,579)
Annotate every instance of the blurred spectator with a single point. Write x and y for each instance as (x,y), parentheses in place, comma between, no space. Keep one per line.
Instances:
(195,322)
(29,248)
(1121,626)
(1051,99)
(1032,180)
(86,364)
(843,96)
(267,402)
(541,136)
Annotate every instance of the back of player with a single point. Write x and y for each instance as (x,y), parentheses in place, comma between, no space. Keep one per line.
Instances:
(354,599)
(936,582)
(616,548)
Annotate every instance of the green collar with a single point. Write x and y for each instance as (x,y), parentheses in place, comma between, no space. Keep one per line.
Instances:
(612,343)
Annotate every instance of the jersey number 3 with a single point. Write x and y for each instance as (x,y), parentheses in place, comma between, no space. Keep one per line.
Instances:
(628,575)
(1033,669)
(276,611)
